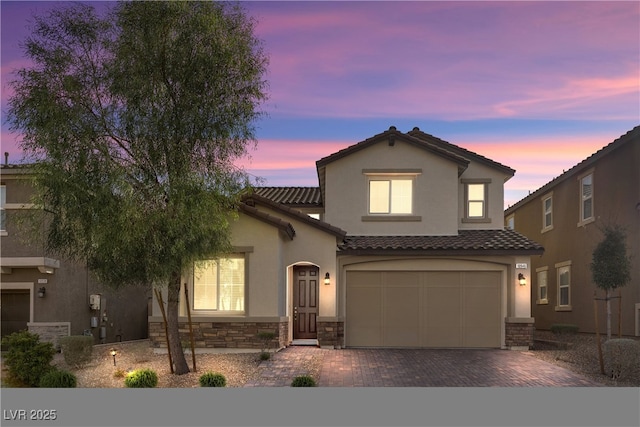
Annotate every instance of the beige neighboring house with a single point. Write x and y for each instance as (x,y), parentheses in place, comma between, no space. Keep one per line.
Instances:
(50,296)
(402,244)
(565,215)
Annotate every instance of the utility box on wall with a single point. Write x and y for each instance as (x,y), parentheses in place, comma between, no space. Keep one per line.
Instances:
(94,302)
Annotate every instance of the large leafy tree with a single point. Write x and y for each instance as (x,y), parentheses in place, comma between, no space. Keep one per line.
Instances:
(134,118)
(611,266)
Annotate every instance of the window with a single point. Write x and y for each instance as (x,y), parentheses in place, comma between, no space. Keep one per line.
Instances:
(476,200)
(390,196)
(219,284)
(542,285)
(564,286)
(511,222)
(547,213)
(3,200)
(586,198)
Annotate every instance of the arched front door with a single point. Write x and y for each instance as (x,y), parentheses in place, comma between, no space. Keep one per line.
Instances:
(305,301)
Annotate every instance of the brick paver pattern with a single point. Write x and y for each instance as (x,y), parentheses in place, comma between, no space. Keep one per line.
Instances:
(418,368)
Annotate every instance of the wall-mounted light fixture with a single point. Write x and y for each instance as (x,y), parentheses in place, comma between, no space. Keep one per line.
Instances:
(522,279)
(114,353)
(327,278)
(41,292)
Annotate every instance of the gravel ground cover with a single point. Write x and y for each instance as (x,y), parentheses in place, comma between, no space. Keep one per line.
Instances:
(244,368)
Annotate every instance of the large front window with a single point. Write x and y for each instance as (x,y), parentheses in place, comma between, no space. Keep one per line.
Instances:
(219,284)
(391,196)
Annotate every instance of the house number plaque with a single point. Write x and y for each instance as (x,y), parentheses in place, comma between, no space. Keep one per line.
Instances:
(521,265)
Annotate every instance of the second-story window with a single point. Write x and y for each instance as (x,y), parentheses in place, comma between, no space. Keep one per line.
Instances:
(391,196)
(3,215)
(586,197)
(547,213)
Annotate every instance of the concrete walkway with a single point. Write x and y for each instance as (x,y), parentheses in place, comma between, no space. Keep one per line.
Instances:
(416,368)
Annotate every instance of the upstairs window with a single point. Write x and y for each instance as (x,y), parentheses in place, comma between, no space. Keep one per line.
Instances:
(476,197)
(3,200)
(219,284)
(586,198)
(392,196)
(547,213)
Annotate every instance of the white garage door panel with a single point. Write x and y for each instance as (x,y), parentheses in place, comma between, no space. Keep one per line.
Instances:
(423,309)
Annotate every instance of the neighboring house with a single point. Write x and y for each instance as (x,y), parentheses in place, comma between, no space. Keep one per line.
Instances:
(566,216)
(50,296)
(409,251)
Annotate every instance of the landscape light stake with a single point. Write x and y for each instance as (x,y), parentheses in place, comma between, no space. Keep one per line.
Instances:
(166,330)
(193,350)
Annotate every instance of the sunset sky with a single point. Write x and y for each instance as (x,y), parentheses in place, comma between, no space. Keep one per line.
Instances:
(537,86)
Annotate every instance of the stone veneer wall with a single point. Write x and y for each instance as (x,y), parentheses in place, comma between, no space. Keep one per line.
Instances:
(50,332)
(519,333)
(331,334)
(240,335)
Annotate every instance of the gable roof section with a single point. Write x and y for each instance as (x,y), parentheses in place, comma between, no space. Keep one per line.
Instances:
(631,136)
(391,136)
(485,242)
(298,197)
(282,225)
(253,199)
(417,133)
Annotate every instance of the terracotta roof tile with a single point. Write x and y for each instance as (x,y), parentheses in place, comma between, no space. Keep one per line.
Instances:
(504,240)
(292,196)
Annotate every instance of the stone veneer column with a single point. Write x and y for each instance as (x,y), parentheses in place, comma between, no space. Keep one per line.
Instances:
(331,334)
(519,333)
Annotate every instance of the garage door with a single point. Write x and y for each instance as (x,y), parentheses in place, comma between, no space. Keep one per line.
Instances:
(423,309)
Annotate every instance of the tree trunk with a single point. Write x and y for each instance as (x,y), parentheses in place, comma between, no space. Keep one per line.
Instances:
(173,297)
(608,300)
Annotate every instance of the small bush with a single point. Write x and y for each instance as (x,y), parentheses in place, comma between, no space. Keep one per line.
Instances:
(622,358)
(564,329)
(266,337)
(27,359)
(303,381)
(58,378)
(77,349)
(212,379)
(119,373)
(141,378)
(265,355)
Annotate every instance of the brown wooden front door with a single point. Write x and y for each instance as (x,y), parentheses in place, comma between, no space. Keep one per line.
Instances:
(14,306)
(305,302)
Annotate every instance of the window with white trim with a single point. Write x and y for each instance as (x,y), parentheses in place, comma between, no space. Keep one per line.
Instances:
(392,196)
(3,212)
(586,197)
(511,222)
(547,213)
(542,285)
(564,286)
(219,284)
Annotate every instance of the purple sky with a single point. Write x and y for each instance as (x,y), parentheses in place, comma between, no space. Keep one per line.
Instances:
(538,86)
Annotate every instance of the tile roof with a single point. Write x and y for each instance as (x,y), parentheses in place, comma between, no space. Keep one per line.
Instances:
(467,241)
(292,196)
(253,199)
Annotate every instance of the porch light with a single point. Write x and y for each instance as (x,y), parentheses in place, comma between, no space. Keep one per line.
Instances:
(327,278)
(41,292)
(522,279)
(114,353)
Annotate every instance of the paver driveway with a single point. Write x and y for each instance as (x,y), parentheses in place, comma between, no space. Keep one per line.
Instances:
(418,368)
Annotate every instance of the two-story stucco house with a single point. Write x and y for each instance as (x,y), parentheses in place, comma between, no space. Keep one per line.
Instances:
(51,296)
(407,248)
(566,215)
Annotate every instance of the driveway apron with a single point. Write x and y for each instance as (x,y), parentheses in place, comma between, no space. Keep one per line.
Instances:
(417,368)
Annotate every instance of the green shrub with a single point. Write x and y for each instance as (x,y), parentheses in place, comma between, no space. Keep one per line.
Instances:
(27,359)
(77,349)
(266,337)
(564,329)
(58,378)
(303,381)
(622,358)
(141,378)
(265,355)
(212,379)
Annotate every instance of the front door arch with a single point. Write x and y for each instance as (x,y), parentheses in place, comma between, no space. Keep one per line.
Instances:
(305,301)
